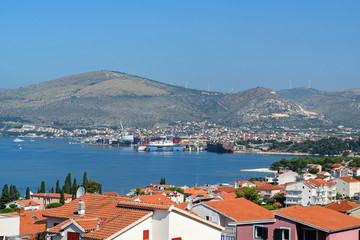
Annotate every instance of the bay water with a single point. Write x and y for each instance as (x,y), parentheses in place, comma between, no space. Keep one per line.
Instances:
(119,169)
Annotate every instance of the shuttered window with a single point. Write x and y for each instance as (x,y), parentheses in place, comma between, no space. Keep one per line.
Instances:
(146,235)
(73,236)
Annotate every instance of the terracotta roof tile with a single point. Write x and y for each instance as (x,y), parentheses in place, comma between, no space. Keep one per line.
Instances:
(342,206)
(241,210)
(28,202)
(156,199)
(52,195)
(268,187)
(315,216)
(32,222)
(226,189)
(349,179)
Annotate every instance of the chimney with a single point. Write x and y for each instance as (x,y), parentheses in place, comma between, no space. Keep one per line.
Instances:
(21,211)
(81,208)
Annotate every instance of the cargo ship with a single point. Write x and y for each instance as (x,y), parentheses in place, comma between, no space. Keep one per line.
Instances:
(218,147)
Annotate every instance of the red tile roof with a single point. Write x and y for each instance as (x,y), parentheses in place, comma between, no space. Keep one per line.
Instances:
(241,210)
(319,217)
(51,195)
(28,202)
(32,222)
(342,206)
(156,199)
(194,190)
(112,218)
(349,179)
(268,187)
(110,194)
(226,189)
(226,195)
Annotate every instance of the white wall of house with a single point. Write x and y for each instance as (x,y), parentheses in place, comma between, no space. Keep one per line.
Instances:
(63,235)
(346,188)
(287,177)
(160,225)
(136,232)
(9,225)
(209,214)
(188,228)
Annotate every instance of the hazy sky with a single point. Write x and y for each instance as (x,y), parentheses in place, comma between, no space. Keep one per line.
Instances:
(237,44)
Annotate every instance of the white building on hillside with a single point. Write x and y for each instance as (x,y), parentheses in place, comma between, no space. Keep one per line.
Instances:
(283,177)
(347,186)
(310,192)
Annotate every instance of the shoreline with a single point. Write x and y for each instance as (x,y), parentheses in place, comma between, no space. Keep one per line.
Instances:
(275,153)
(265,170)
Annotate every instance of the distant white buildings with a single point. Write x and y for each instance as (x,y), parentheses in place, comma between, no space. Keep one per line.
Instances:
(310,192)
(347,186)
(285,176)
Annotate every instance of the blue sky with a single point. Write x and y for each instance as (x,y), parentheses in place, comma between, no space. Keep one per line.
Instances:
(218,44)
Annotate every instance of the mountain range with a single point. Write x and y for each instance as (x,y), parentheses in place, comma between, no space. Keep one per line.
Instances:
(102,98)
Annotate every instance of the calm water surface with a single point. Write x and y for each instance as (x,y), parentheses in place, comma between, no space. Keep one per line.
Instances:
(118,168)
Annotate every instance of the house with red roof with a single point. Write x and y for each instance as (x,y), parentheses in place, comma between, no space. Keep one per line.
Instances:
(347,186)
(315,223)
(27,204)
(310,192)
(268,190)
(45,199)
(233,213)
(101,217)
(342,206)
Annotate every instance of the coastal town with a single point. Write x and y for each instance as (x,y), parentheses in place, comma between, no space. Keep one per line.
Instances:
(285,205)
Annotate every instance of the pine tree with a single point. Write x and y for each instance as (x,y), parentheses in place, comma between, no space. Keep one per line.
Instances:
(5,196)
(52,190)
(42,187)
(27,194)
(85,182)
(100,190)
(67,185)
(38,190)
(62,198)
(14,193)
(57,189)
(74,189)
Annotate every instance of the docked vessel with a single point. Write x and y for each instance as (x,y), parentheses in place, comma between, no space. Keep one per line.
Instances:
(18,140)
(162,144)
(215,146)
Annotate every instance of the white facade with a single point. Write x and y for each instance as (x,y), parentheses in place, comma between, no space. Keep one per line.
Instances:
(9,225)
(305,194)
(346,188)
(282,178)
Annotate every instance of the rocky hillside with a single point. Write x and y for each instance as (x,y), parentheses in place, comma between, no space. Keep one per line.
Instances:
(101,98)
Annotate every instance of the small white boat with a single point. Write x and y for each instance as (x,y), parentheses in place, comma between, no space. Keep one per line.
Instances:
(18,140)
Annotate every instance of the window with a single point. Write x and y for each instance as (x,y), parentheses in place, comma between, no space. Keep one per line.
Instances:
(260,232)
(309,234)
(73,236)
(146,235)
(282,234)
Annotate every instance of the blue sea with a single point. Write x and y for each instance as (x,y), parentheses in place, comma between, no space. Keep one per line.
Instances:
(119,169)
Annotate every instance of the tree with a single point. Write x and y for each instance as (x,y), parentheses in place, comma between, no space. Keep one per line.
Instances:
(53,205)
(13,193)
(314,171)
(85,182)
(67,185)
(100,191)
(162,181)
(62,198)
(57,188)
(74,188)
(280,198)
(339,196)
(93,186)
(177,189)
(139,191)
(42,187)
(52,190)
(5,196)
(27,194)
(249,193)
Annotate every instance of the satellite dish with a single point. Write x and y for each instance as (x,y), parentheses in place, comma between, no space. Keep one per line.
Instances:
(80,192)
